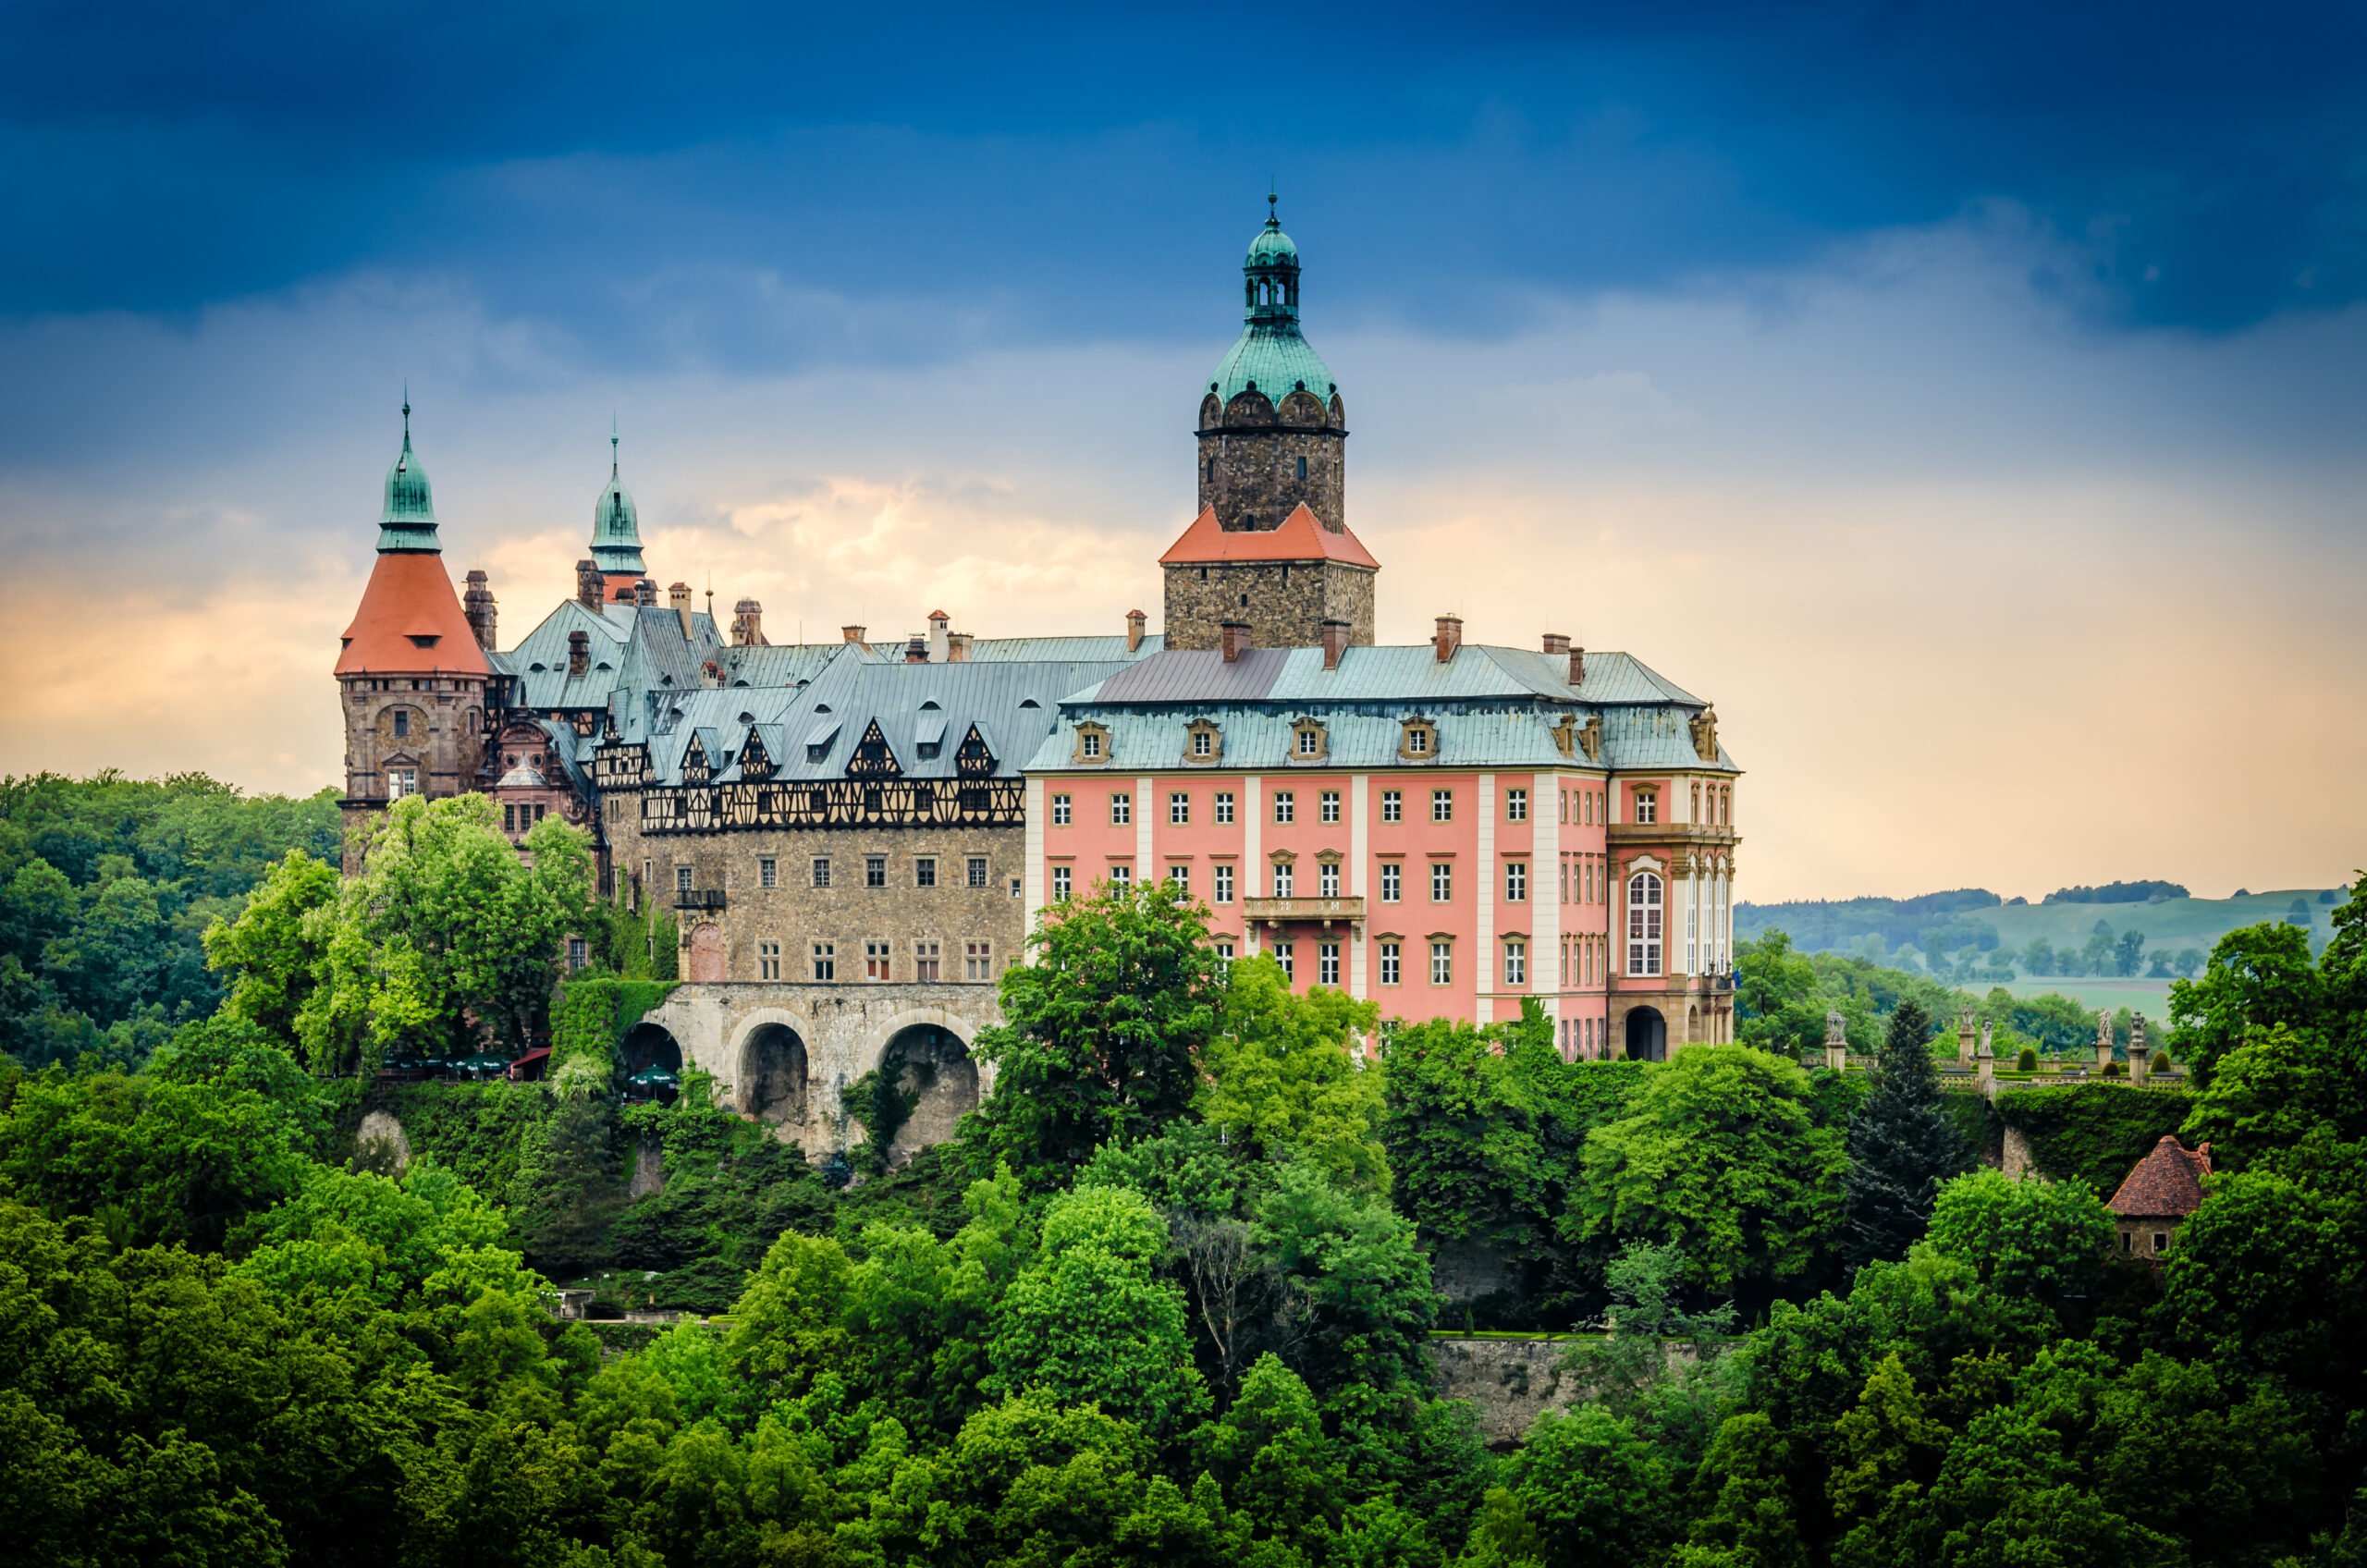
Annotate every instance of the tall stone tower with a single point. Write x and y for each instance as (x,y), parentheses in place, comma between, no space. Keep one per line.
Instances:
(1270,546)
(411,674)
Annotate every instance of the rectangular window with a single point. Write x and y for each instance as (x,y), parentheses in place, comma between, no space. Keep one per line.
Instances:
(1122,810)
(1392,959)
(767,872)
(539,809)
(1282,881)
(2161,1241)
(876,963)
(1515,881)
(1203,743)
(875,871)
(1648,806)
(1062,882)
(977,878)
(1059,811)
(977,960)
(1393,882)
(826,960)
(682,880)
(510,819)
(1181,877)
(1442,964)
(1327,964)
(1515,805)
(1329,805)
(821,872)
(402,724)
(926,958)
(1092,744)
(1223,876)
(1122,874)
(1285,805)
(1310,743)
(1327,879)
(1179,809)
(1224,950)
(1392,805)
(578,953)
(1286,954)
(1441,805)
(1516,962)
(1224,808)
(1302,469)
(1441,882)
(925,871)
(768,961)
(1565,881)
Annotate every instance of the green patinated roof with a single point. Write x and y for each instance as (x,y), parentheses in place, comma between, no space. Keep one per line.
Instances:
(409,521)
(615,523)
(1272,353)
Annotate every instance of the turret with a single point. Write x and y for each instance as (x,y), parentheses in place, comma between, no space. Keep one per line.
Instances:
(616,533)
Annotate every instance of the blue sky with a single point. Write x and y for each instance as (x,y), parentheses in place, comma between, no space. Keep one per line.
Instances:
(1813,320)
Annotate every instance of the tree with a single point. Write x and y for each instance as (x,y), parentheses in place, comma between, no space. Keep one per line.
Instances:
(1103,1030)
(1282,1079)
(1778,1005)
(2258,977)
(1462,1136)
(2038,959)
(1582,1491)
(2187,961)
(1902,1145)
(1723,1158)
(1358,1298)
(270,953)
(2043,1240)
(2130,953)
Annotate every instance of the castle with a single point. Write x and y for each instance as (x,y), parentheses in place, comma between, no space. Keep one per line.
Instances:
(1449,829)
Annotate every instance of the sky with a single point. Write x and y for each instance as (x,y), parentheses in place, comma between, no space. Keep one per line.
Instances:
(1969,401)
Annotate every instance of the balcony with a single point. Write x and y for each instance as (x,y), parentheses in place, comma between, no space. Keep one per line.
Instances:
(699,898)
(1274,911)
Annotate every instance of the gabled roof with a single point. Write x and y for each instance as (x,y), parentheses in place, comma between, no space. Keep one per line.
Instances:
(1302,538)
(2165,1184)
(410,622)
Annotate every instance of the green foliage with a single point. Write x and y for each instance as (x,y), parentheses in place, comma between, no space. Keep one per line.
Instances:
(2257,978)
(1902,1145)
(592,1015)
(480,1131)
(1282,1079)
(2026,1060)
(2093,1133)
(2043,1240)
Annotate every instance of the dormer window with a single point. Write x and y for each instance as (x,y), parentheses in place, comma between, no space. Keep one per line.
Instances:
(1092,744)
(1309,741)
(425,639)
(1203,741)
(1418,741)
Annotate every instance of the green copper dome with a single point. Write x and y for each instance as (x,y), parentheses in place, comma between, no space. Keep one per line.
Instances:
(409,521)
(616,524)
(1271,355)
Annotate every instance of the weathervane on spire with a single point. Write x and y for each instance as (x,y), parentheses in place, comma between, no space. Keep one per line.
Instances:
(612,444)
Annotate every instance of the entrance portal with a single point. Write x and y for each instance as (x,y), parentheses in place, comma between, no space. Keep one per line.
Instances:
(1646,1036)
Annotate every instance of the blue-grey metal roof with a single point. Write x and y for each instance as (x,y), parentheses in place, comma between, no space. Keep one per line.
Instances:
(1043,650)
(784,664)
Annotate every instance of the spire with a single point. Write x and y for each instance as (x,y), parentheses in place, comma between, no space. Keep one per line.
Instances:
(616,524)
(408,521)
(1272,353)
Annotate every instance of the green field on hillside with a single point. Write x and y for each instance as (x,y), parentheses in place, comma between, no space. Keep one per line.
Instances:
(2151,997)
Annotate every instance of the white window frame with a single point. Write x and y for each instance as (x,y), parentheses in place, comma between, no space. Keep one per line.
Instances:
(1647,923)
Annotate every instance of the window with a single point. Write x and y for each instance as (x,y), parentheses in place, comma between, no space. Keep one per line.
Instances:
(1515,805)
(826,960)
(1417,741)
(1203,743)
(1122,810)
(1393,882)
(1282,877)
(1310,743)
(1392,805)
(2128,1243)
(821,872)
(1515,881)
(510,819)
(925,961)
(1122,874)
(1014,887)
(768,961)
(1286,954)
(1441,805)
(578,953)
(875,871)
(2161,1241)
(1090,744)
(925,871)
(1515,961)
(1648,806)
(1442,964)
(402,724)
(875,961)
(682,880)
(1179,809)
(1441,881)
(1327,879)
(1565,881)
(767,872)
(1062,882)
(1301,468)
(1328,808)
(1644,909)
(977,960)
(1059,811)
(1224,808)
(1327,966)
(1181,877)
(1224,951)
(1223,876)
(1392,959)
(1285,805)
(402,781)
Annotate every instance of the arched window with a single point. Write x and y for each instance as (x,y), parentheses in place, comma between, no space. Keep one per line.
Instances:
(1645,904)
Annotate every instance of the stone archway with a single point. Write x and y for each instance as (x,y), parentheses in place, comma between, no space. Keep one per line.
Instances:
(648,1045)
(931,1064)
(1646,1035)
(775,1073)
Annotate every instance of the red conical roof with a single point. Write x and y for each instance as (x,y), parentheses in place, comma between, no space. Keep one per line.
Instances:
(410,622)
(1302,538)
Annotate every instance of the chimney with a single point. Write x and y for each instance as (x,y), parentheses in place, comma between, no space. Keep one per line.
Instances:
(852,633)
(957,647)
(478,604)
(1449,637)
(579,652)
(1577,665)
(644,593)
(1235,635)
(747,624)
(1335,643)
(917,649)
(1556,642)
(937,621)
(589,588)
(1135,621)
(678,599)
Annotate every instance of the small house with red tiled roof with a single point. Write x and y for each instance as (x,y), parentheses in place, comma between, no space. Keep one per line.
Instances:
(2154,1200)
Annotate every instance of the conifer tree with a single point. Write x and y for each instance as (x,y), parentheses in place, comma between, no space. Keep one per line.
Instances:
(1901,1146)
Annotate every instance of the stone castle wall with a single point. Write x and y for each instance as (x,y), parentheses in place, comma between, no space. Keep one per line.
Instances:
(1285,603)
(1250,476)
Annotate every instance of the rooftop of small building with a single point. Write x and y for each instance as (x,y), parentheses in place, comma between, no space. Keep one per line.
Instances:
(2165,1184)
